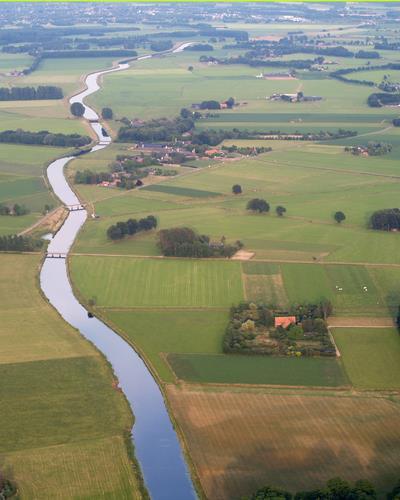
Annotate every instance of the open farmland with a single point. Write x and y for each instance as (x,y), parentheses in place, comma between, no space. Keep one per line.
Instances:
(370,356)
(157,282)
(266,370)
(46,369)
(242,440)
(310,181)
(254,403)
(22,181)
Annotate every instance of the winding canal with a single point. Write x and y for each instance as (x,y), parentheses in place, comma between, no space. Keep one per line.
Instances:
(157,448)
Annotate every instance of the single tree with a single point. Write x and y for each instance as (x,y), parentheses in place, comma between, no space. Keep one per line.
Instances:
(236,189)
(185,113)
(258,205)
(77,109)
(339,217)
(190,68)
(230,102)
(107,113)
(280,210)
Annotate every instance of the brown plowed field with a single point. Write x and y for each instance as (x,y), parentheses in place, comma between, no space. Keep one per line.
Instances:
(242,440)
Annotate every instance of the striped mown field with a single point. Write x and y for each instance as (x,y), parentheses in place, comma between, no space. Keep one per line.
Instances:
(116,282)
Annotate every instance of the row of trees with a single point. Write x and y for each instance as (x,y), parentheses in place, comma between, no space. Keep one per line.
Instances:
(16,209)
(184,242)
(335,489)
(14,243)
(30,93)
(44,138)
(262,206)
(340,74)
(56,54)
(162,129)
(130,227)
(213,137)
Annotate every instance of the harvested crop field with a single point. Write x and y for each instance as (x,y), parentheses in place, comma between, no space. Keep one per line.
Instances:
(241,440)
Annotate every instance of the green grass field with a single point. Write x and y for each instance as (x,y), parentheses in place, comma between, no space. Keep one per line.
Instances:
(158,332)
(232,369)
(62,422)
(116,282)
(22,181)
(370,356)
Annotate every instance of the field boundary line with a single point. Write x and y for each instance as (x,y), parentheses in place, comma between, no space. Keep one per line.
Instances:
(276,261)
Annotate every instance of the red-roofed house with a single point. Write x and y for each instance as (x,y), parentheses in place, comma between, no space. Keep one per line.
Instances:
(284,321)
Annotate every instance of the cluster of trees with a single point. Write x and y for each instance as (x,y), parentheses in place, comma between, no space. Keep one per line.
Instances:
(286,46)
(202,47)
(44,138)
(30,93)
(378,100)
(7,488)
(130,227)
(388,86)
(367,54)
(161,45)
(211,104)
(372,149)
(227,33)
(251,323)
(387,219)
(258,205)
(262,206)
(16,209)
(162,129)
(15,243)
(185,242)
(335,489)
(89,177)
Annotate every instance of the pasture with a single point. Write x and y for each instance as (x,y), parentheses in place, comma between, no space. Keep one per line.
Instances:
(134,282)
(266,370)
(157,332)
(370,356)
(241,440)
(46,368)
(22,181)
(311,181)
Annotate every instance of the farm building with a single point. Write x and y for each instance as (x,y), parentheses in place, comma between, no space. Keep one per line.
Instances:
(285,321)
